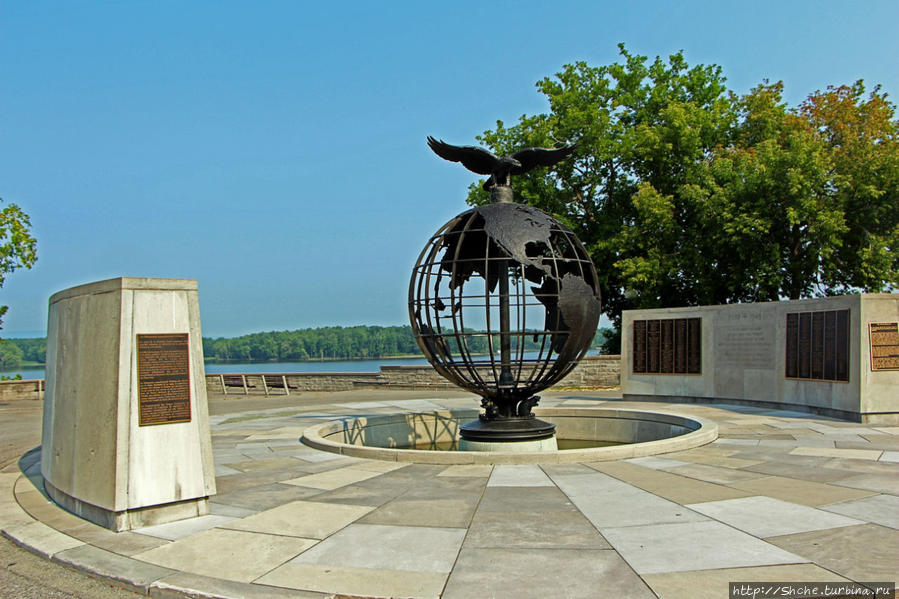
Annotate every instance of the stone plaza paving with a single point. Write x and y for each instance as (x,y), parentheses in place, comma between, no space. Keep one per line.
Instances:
(780,496)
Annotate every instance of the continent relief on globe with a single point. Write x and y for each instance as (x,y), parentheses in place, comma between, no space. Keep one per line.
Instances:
(543,248)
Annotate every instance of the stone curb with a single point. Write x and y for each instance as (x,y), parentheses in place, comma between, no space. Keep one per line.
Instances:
(702,431)
(118,570)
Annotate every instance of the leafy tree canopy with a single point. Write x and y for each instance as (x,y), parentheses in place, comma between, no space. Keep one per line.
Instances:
(686,193)
(17,247)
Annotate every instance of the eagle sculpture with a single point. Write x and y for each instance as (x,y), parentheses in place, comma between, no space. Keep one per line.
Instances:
(480,161)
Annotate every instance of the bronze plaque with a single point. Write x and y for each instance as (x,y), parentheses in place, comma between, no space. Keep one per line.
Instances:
(817,359)
(667,349)
(842,349)
(792,357)
(667,346)
(653,345)
(163,378)
(884,338)
(817,345)
(639,362)
(830,345)
(680,342)
(694,346)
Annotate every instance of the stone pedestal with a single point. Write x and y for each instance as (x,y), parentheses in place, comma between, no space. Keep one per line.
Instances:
(126,437)
(509,446)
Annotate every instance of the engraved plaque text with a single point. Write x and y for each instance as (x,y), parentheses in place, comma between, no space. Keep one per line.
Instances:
(884,345)
(163,378)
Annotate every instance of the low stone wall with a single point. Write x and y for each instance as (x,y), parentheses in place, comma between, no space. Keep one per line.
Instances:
(24,389)
(593,371)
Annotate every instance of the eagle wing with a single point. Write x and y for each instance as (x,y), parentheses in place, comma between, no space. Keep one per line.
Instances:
(477,160)
(534,157)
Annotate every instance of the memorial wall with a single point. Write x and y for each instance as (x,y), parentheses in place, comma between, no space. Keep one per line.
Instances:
(836,356)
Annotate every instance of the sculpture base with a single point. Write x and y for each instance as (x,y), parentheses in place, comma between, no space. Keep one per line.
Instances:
(133,518)
(548,444)
(500,430)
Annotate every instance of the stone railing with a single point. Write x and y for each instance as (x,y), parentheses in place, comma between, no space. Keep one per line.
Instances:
(593,371)
(24,389)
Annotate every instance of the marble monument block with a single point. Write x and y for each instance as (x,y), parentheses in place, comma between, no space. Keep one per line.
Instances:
(126,437)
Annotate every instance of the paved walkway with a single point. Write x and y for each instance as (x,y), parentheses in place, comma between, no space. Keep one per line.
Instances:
(780,496)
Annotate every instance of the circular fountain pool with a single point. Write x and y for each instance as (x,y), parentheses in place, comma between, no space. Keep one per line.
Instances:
(592,434)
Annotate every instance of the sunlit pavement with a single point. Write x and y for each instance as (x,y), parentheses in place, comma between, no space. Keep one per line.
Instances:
(780,496)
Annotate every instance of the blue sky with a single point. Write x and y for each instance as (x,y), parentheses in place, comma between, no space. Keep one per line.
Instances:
(275,151)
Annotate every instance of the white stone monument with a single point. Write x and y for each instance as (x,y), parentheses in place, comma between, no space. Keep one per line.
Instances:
(126,428)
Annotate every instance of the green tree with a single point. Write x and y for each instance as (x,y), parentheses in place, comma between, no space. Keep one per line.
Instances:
(687,194)
(10,356)
(862,136)
(17,247)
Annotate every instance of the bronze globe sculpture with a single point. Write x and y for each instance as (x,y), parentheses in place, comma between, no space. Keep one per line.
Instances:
(504,299)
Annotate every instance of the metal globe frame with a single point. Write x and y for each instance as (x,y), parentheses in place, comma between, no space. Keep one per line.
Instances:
(504,302)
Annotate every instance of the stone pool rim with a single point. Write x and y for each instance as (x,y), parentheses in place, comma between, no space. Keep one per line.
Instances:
(702,432)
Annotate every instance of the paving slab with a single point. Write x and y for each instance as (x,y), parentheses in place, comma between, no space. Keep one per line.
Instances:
(725,461)
(289,465)
(855,454)
(229,554)
(815,473)
(124,543)
(332,479)
(882,483)
(554,469)
(799,491)
(861,553)
(184,528)
(308,519)
(379,465)
(738,442)
(319,456)
(376,546)
(442,513)
(542,499)
(475,470)
(534,529)
(526,573)
(621,504)
(877,509)
(766,517)
(714,584)
(263,497)
(135,575)
(352,582)
(686,546)
(222,470)
(360,494)
(656,463)
(222,509)
(680,489)
(518,476)
(713,474)
(885,442)
(863,466)
(235,482)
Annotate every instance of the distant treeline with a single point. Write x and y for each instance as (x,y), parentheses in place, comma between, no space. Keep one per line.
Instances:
(15,351)
(324,343)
